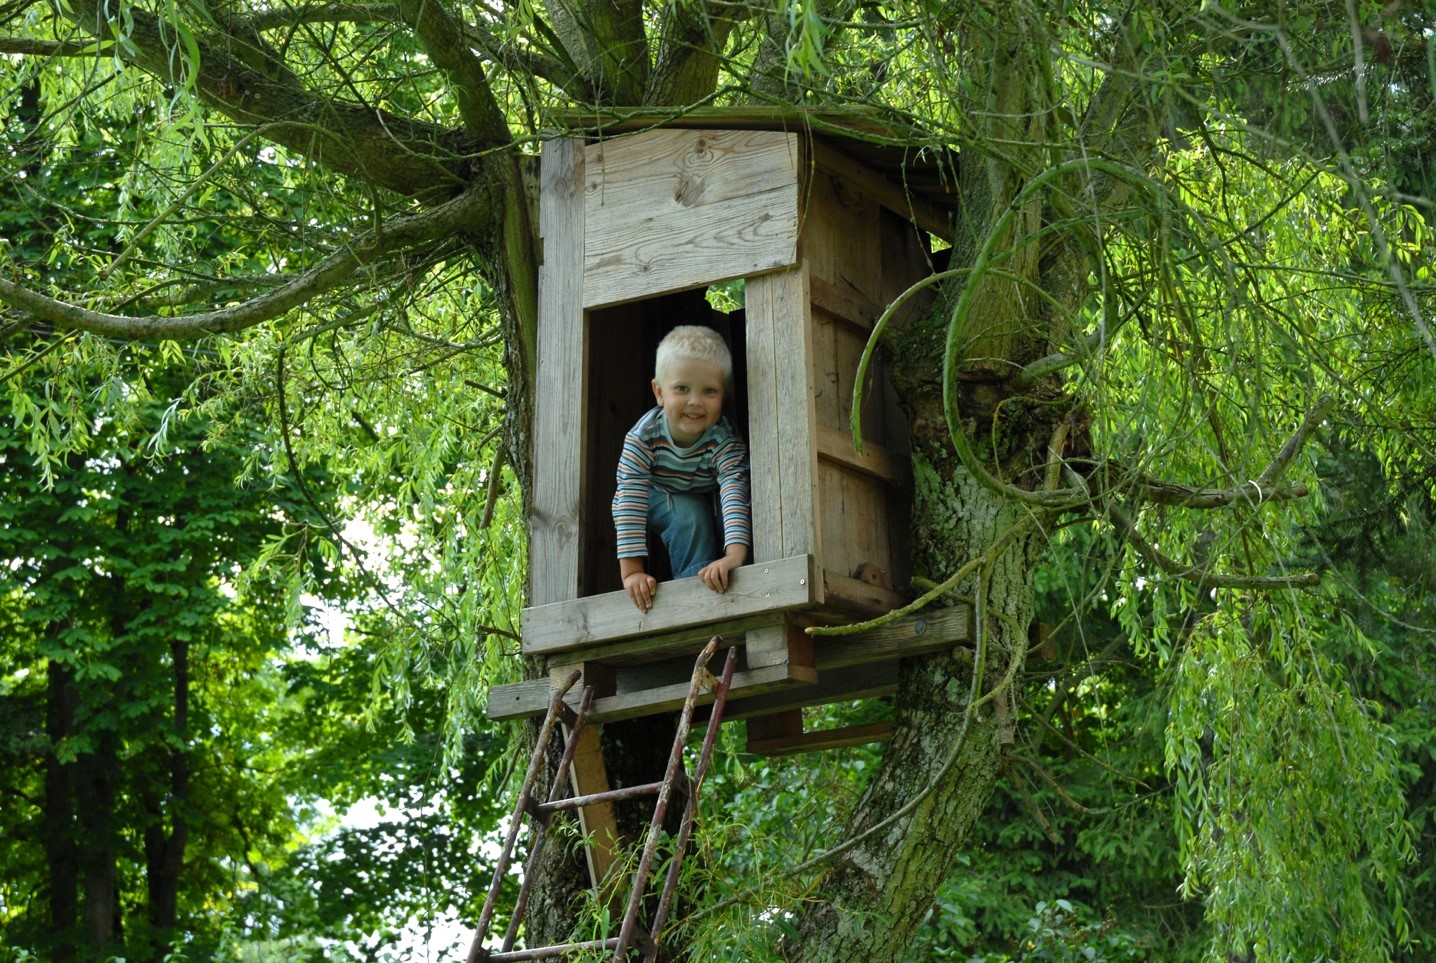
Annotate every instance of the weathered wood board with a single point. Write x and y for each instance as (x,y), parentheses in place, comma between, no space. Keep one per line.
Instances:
(555,520)
(838,685)
(782,443)
(673,209)
(823,670)
(751,682)
(764,587)
(526,699)
(589,776)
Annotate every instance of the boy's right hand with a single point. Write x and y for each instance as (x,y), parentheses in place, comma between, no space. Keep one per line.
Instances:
(641,587)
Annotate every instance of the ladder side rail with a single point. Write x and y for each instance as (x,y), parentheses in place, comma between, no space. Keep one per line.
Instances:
(560,778)
(690,809)
(476,949)
(675,764)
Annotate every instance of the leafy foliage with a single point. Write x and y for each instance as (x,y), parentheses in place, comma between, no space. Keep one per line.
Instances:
(1183,228)
(131,641)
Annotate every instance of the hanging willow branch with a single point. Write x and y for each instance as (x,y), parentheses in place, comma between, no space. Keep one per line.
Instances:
(465,212)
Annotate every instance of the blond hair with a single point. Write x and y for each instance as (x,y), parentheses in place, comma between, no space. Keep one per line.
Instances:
(695,342)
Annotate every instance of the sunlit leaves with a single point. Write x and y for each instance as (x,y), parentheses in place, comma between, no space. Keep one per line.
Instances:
(1264,728)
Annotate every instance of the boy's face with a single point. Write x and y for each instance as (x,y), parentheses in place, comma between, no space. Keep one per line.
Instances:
(691,396)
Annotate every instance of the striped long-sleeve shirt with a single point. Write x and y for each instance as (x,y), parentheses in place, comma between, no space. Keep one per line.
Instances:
(718,460)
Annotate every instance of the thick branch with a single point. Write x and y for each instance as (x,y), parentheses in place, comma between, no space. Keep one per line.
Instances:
(467,213)
(690,43)
(543,63)
(1263,488)
(1058,360)
(443,38)
(52,48)
(1313,418)
(243,78)
(1186,496)
(1205,579)
(606,39)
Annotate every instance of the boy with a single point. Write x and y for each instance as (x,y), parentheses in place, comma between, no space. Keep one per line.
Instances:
(673,459)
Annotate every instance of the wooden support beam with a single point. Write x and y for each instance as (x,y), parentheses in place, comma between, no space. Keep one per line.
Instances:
(920,634)
(780,392)
(782,644)
(602,678)
(842,738)
(874,460)
(588,775)
(857,666)
(775,725)
(865,665)
(669,698)
(517,699)
(555,532)
(846,303)
(647,649)
(524,699)
(860,598)
(682,605)
(840,685)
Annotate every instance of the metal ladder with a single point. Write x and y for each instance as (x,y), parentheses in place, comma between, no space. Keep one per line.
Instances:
(630,936)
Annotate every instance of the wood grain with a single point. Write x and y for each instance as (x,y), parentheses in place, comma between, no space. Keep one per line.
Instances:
(668,210)
(555,516)
(779,304)
(587,776)
(687,603)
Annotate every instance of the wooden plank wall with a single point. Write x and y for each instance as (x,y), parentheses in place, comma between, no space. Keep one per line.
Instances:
(859,259)
(782,441)
(668,210)
(555,527)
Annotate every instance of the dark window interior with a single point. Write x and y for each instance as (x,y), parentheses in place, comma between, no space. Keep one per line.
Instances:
(622,341)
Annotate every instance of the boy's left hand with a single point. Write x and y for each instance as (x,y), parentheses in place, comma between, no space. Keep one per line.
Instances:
(715,573)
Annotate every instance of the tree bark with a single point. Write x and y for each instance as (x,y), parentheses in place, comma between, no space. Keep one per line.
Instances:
(941,766)
(165,845)
(61,852)
(96,775)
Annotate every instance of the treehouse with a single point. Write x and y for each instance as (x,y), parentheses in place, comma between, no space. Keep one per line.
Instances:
(820,223)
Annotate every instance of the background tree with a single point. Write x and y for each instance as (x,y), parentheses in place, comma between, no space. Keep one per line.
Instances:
(1182,232)
(174,717)
(129,646)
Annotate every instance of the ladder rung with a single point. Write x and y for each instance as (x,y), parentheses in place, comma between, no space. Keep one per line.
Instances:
(548,952)
(612,795)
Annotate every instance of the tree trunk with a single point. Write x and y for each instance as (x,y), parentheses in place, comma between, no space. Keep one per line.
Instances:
(61,853)
(165,845)
(96,775)
(941,766)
